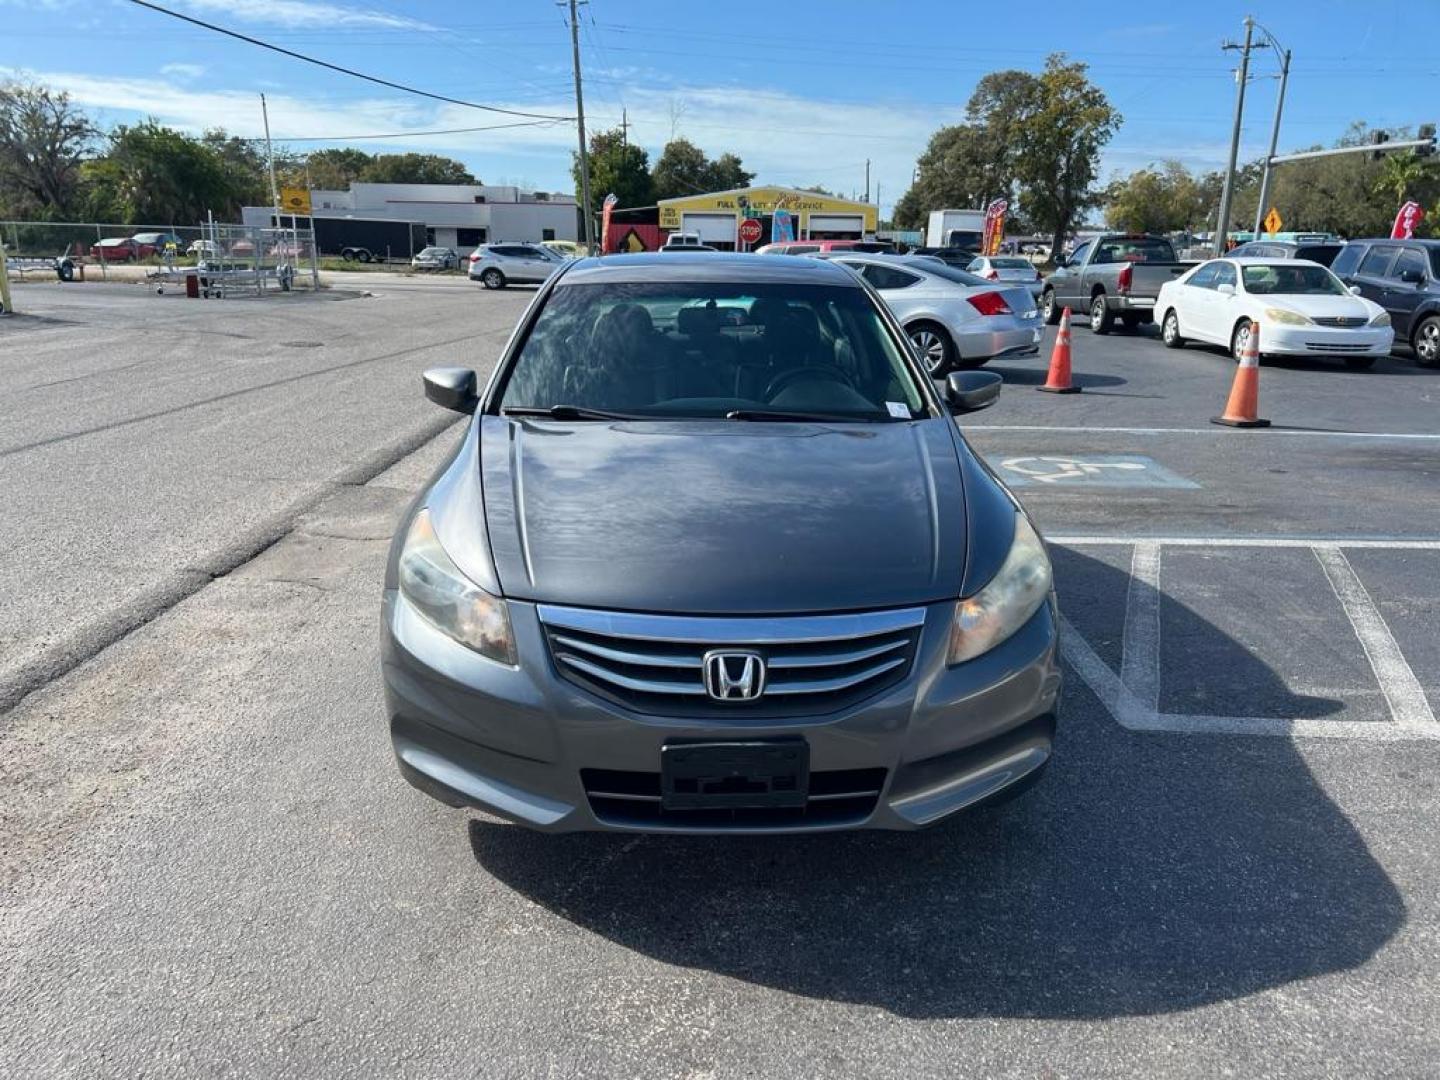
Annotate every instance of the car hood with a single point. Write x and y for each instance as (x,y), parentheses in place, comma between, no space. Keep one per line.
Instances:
(724,517)
(1325,307)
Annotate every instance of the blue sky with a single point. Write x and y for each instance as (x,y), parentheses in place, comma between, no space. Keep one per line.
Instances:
(804,91)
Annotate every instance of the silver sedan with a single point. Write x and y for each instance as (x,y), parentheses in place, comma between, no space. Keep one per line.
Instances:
(953,318)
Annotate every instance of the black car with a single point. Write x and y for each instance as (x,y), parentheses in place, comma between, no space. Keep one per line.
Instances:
(1403,277)
(956,256)
(1322,253)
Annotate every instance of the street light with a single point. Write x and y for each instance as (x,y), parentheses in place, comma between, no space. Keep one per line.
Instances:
(1284,55)
(1222,221)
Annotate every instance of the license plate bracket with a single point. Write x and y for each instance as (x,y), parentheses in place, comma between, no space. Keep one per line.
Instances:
(734,774)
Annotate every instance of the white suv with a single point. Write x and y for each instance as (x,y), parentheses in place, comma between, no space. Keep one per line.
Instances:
(497,265)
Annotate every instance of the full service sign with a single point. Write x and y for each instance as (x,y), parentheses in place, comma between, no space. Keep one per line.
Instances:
(763,201)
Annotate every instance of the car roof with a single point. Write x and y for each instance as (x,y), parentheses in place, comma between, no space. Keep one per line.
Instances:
(711,266)
(1391,240)
(1258,260)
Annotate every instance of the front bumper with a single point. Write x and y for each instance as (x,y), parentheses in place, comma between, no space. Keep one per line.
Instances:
(1278,340)
(524,743)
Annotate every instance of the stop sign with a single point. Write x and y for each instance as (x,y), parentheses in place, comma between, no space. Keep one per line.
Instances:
(750,231)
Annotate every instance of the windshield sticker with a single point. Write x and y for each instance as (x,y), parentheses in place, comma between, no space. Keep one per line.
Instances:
(898,409)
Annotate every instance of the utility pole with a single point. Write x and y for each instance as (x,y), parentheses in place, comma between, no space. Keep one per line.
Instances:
(867,179)
(270,159)
(580,125)
(1274,137)
(1222,224)
(625,127)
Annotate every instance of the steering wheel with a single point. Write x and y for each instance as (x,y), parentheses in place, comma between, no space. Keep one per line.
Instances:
(813,371)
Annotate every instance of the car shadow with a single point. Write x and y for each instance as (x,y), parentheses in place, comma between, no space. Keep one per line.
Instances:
(1395,363)
(1028,376)
(1145,874)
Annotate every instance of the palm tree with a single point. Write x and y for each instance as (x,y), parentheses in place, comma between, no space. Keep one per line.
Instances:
(1398,174)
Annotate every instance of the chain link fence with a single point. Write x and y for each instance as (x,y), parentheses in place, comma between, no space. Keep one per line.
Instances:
(226,258)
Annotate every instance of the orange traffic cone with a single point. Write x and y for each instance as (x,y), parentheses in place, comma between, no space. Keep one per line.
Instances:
(1242,410)
(1058,381)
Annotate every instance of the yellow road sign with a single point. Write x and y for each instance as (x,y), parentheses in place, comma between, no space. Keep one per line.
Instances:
(295,200)
(1273,222)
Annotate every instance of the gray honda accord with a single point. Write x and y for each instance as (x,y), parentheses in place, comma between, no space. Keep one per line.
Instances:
(714,557)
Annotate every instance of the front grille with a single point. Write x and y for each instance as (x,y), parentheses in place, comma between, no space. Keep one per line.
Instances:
(1332,347)
(837,797)
(652,664)
(1343,321)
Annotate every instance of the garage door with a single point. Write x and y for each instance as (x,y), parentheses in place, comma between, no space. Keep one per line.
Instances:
(848,224)
(713,228)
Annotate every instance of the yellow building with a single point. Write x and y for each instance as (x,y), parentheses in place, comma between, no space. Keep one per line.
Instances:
(716,217)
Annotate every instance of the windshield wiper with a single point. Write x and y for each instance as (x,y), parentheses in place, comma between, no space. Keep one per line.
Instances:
(567,412)
(819,417)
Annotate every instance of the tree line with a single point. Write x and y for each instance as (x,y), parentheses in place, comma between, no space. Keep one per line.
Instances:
(1351,195)
(1036,140)
(57,165)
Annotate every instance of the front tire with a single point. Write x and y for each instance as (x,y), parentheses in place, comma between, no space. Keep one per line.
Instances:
(492,279)
(1049,308)
(1170,331)
(1426,342)
(935,347)
(1240,339)
(1102,320)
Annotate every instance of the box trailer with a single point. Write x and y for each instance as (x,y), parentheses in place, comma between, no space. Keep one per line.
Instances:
(956,228)
(368,239)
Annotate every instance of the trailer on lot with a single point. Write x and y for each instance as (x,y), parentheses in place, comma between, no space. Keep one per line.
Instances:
(368,239)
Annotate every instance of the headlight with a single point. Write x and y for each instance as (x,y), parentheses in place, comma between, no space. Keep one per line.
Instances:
(448,599)
(1016,591)
(1286,317)
(1383,319)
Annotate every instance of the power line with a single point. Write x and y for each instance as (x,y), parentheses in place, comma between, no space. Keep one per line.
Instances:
(415,134)
(342,70)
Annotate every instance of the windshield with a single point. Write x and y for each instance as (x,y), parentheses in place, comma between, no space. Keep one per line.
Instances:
(1134,249)
(682,349)
(1292,279)
(955,274)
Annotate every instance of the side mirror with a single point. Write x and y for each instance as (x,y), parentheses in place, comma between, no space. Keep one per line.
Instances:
(451,388)
(1060,262)
(967,391)
(1412,277)
(1355,290)
(1225,289)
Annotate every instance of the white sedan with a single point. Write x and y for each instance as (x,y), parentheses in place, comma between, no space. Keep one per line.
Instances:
(1301,307)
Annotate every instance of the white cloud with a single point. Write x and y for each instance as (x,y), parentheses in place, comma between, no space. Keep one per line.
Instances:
(304,13)
(182,71)
(783,138)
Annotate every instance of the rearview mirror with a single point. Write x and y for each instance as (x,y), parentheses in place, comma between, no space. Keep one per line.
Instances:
(966,391)
(1354,290)
(1060,261)
(451,388)
(1226,289)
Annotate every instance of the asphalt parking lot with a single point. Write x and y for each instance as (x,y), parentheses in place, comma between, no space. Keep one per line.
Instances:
(209,866)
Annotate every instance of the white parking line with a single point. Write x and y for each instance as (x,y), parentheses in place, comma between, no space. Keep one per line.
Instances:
(1133,696)
(1140,651)
(970,429)
(1399,543)
(1133,715)
(1397,680)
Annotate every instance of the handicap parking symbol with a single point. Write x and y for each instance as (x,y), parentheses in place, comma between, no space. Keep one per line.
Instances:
(1092,470)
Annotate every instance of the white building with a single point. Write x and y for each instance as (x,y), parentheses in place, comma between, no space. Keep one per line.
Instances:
(459,216)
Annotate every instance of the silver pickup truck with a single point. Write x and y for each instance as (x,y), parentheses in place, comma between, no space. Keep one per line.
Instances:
(1116,276)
